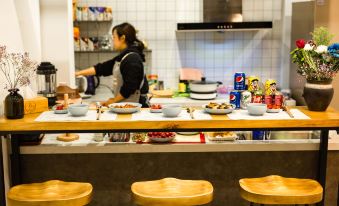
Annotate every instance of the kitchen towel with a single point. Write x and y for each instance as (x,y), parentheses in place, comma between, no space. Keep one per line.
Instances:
(91,116)
(243,114)
(146,115)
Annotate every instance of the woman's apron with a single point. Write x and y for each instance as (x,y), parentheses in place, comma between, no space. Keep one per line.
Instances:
(118,82)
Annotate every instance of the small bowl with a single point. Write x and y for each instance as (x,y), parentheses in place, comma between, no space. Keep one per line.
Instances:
(256,109)
(78,110)
(62,111)
(171,110)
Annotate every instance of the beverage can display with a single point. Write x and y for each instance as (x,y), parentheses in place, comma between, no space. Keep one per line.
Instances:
(235,97)
(253,83)
(246,98)
(239,81)
(270,87)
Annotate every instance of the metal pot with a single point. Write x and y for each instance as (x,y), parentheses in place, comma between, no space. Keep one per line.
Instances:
(204,86)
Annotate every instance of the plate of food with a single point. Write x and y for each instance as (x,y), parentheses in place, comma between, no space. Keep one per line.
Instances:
(218,108)
(161,136)
(125,107)
(156,108)
(222,136)
(59,109)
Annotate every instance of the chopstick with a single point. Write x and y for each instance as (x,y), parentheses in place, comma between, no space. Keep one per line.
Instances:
(288,111)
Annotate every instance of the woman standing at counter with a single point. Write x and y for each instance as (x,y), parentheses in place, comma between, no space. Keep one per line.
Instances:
(129,79)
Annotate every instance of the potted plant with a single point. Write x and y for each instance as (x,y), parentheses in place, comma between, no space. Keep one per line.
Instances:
(17,71)
(318,62)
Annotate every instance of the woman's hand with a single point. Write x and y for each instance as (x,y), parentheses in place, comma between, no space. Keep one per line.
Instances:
(108,102)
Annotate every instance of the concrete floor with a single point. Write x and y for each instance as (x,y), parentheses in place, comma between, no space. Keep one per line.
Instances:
(113,174)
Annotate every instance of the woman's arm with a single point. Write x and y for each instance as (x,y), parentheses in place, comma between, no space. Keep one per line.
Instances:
(101,69)
(116,99)
(86,72)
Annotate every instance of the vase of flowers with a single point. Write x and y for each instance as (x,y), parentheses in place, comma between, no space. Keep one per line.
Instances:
(318,62)
(17,71)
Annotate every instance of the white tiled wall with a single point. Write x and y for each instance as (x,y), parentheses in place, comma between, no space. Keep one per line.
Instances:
(218,54)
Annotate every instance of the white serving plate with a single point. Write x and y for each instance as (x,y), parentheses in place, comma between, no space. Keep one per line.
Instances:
(155,110)
(124,110)
(217,111)
(273,110)
(158,139)
(208,96)
(228,138)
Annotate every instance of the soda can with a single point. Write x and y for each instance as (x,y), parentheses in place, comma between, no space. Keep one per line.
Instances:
(258,135)
(268,100)
(239,81)
(253,83)
(246,98)
(278,100)
(235,97)
(270,87)
(257,97)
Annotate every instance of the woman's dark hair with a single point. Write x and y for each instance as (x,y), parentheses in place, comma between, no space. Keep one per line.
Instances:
(130,35)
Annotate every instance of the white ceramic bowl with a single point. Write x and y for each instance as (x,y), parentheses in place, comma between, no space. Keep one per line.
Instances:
(256,109)
(124,110)
(78,110)
(171,110)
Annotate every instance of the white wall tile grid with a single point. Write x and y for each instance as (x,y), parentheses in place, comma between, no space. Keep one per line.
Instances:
(219,55)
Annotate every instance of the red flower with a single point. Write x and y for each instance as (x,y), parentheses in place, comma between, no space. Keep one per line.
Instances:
(300,43)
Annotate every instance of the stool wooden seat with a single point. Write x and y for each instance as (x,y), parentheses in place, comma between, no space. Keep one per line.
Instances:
(279,190)
(50,193)
(171,191)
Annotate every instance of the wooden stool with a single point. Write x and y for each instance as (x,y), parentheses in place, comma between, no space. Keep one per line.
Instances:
(172,192)
(50,193)
(275,190)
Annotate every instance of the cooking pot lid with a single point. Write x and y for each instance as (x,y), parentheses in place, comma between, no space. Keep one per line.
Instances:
(203,81)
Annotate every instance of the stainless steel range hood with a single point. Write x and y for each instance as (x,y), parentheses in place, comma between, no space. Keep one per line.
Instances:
(223,15)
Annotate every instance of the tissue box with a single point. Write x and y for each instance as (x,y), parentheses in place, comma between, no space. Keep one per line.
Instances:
(35,105)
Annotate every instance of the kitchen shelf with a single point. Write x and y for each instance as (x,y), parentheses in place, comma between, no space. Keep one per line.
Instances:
(105,51)
(90,21)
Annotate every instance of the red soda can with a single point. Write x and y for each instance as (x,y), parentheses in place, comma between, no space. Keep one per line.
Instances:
(278,100)
(269,101)
(257,99)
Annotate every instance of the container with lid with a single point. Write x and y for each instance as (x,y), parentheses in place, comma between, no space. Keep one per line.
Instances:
(46,77)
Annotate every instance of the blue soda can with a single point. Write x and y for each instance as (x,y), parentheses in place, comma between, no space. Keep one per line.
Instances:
(239,81)
(258,135)
(235,98)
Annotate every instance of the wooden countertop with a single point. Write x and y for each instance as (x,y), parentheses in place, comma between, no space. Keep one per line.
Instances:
(318,120)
